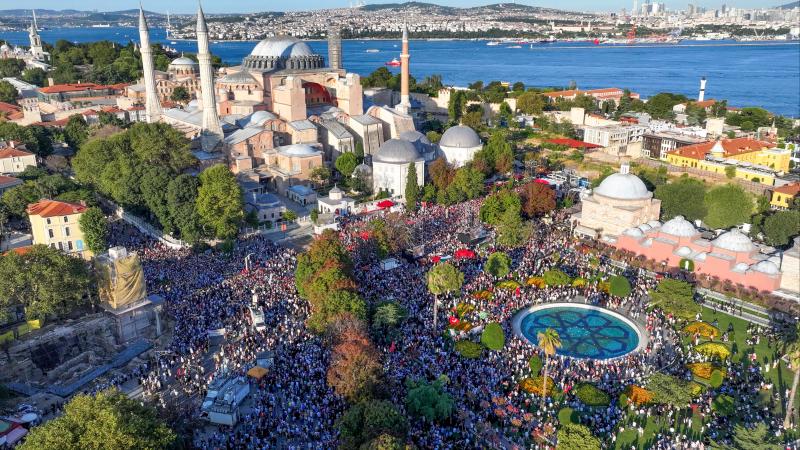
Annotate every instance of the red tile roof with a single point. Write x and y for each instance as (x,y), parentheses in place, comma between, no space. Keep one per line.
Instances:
(13,153)
(53,208)
(69,87)
(789,189)
(8,107)
(705,103)
(5,181)
(572,143)
(732,147)
(20,250)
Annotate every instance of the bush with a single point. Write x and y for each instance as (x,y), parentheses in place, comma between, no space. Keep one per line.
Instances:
(498,264)
(534,386)
(622,401)
(639,395)
(535,281)
(704,329)
(567,415)
(469,349)
(508,284)
(714,350)
(555,278)
(723,404)
(696,388)
(590,395)
(535,363)
(704,369)
(716,379)
(578,282)
(619,286)
(493,337)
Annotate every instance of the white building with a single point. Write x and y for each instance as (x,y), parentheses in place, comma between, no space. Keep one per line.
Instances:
(460,144)
(336,203)
(615,139)
(14,160)
(390,167)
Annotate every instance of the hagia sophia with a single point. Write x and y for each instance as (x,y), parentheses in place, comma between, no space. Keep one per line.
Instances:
(286,110)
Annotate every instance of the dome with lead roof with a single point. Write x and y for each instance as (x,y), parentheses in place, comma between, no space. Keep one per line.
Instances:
(283,53)
(299,150)
(623,186)
(767,267)
(460,137)
(735,241)
(679,226)
(397,151)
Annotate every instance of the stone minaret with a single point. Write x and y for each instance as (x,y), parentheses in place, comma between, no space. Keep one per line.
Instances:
(405,102)
(152,103)
(334,47)
(702,95)
(36,41)
(212,131)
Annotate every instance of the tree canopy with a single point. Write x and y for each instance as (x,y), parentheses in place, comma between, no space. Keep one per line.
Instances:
(94,227)
(219,201)
(445,278)
(573,436)
(675,297)
(779,228)
(498,264)
(429,399)
(728,206)
(683,197)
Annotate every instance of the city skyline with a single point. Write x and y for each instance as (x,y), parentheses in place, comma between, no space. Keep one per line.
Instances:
(247,6)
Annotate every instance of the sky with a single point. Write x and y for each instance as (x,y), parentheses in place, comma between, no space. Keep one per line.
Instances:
(220,6)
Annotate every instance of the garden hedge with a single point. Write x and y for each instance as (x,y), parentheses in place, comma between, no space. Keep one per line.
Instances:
(590,395)
(493,337)
(469,349)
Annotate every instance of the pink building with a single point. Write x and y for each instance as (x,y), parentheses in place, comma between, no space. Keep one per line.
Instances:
(731,256)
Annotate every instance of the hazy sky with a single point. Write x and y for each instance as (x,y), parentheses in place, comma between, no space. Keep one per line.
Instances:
(273,5)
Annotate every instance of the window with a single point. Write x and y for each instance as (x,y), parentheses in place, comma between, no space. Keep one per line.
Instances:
(50,232)
(66,219)
(66,231)
(69,244)
(48,221)
(61,246)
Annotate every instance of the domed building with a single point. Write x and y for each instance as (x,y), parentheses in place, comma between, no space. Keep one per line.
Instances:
(181,72)
(285,74)
(621,201)
(390,166)
(460,144)
(422,143)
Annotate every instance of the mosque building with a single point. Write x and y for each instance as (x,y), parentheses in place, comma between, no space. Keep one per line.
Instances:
(459,145)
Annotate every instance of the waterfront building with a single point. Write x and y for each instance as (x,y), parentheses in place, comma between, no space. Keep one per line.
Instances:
(55,224)
(620,202)
(601,95)
(752,160)
(459,145)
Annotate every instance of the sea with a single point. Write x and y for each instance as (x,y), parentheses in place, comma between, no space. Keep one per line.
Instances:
(764,74)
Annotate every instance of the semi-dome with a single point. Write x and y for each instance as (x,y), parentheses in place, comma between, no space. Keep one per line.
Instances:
(654,224)
(460,137)
(282,47)
(397,151)
(183,61)
(741,267)
(623,187)
(735,241)
(299,150)
(633,232)
(678,226)
(256,119)
(242,77)
(767,267)
(683,252)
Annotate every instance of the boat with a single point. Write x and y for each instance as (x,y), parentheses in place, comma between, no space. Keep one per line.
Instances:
(173,42)
(101,25)
(394,63)
(493,43)
(549,40)
(373,50)
(514,46)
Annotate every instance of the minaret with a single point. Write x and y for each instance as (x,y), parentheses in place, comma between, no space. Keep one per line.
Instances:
(36,41)
(334,47)
(702,95)
(152,103)
(212,131)
(405,102)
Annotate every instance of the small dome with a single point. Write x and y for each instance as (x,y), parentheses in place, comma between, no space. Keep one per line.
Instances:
(623,187)
(242,77)
(419,140)
(654,224)
(183,61)
(256,119)
(683,252)
(734,240)
(397,151)
(775,260)
(741,267)
(282,46)
(767,267)
(701,256)
(460,137)
(633,232)
(299,150)
(363,169)
(679,226)
(645,227)
(335,190)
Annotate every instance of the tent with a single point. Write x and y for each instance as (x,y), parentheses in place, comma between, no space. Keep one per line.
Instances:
(385,204)
(464,254)
(257,372)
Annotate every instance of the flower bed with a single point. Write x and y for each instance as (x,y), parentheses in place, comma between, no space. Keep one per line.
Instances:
(714,350)
(482,295)
(579,282)
(535,281)
(704,329)
(463,325)
(590,395)
(464,308)
(469,349)
(639,395)
(704,369)
(534,386)
(508,284)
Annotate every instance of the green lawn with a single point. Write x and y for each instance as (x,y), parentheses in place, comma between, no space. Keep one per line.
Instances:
(630,437)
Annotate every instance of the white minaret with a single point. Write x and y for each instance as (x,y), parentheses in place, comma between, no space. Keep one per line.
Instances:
(152,104)
(36,41)
(212,131)
(702,94)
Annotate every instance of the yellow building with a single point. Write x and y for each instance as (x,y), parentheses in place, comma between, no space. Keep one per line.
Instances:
(782,197)
(55,224)
(753,160)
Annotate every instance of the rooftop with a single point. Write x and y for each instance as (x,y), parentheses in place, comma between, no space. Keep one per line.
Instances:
(732,147)
(53,208)
(789,189)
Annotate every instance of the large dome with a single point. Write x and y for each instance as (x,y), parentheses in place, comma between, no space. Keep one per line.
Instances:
(242,77)
(735,241)
(460,137)
(299,150)
(397,151)
(282,47)
(183,61)
(623,187)
(679,226)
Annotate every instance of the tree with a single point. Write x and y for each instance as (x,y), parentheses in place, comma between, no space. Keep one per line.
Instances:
(182,205)
(496,205)
(670,390)
(346,163)
(759,437)
(386,319)
(429,400)
(498,265)
(467,184)
(219,201)
(289,216)
(161,144)
(355,366)
(359,151)
(549,341)
(443,279)
(441,174)
(675,297)
(108,419)
(94,227)
(512,231)
(531,103)
(660,105)
(472,119)
(320,175)
(455,107)
(8,93)
(11,67)
(728,206)
(683,197)
(35,75)
(154,184)
(505,111)
(537,199)
(44,280)
(36,139)
(367,421)
(180,94)
(412,188)
(780,227)
(730,172)
(793,355)
(572,436)
(76,132)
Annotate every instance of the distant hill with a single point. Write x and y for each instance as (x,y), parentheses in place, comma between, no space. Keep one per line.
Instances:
(496,7)
(71,13)
(791,5)
(407,5)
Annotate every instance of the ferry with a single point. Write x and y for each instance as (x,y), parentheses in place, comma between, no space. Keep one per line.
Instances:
(394,63)
(373,50)
(493,43)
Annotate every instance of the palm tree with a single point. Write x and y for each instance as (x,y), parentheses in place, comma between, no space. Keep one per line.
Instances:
(549,341)
(793,354)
